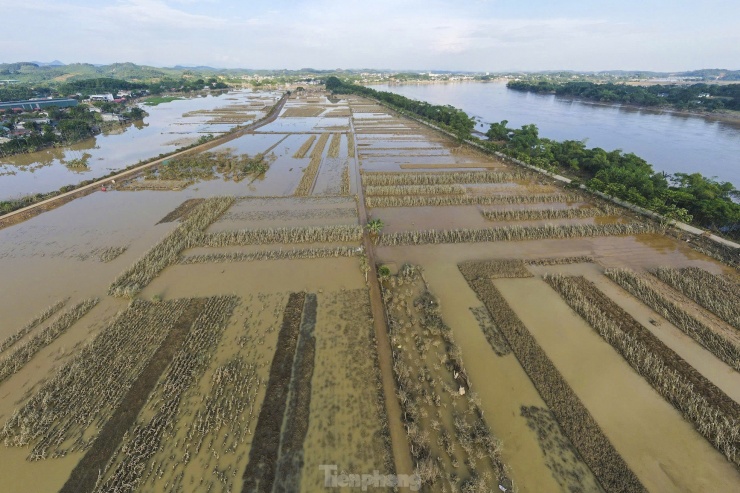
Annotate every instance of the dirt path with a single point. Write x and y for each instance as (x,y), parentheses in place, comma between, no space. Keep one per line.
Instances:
(401,454)
(33,210)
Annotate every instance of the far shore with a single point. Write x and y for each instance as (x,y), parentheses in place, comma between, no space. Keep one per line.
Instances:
(725,116)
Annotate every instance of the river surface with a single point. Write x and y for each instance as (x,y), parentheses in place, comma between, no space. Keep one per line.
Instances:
(167,127)
(670,142)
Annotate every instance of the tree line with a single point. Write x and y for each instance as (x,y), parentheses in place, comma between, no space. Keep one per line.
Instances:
(705,97)
(683,196)
(447,117)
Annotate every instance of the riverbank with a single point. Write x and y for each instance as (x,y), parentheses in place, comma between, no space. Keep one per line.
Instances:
(725,116)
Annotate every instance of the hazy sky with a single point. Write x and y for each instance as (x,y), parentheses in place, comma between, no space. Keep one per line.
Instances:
(481,35)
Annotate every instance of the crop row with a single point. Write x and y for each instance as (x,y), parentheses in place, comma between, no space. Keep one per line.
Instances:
(409,190)
(512,233)
(301,152)
(715,293)
(384,178)
(578,425)
(167,251)
(544,214)
(293,254)
(336,139)
(309,174)
(111,253)
(44,316)
(87,389)
(298,234)
(713,413)
(289,464)
(450,200)
(723,348)
(350,145)
(259,475)
(188,364)
(583,259)
(24,353)
(345,180)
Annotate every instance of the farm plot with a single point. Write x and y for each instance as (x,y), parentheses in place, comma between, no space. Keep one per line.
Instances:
(577,423)
(124,467)
(451,444)
(249,213)
(714,415)
(347,425)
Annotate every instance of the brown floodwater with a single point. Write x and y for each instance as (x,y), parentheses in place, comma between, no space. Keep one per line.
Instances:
(664,450)
(499,381)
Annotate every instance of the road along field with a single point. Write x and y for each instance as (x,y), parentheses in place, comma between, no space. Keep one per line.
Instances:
(227,322)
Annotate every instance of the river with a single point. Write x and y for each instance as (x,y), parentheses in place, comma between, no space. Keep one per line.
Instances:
(167,127)
(670,142)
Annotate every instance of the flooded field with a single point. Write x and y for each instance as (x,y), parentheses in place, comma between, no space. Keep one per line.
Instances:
(167,127)
(226,322)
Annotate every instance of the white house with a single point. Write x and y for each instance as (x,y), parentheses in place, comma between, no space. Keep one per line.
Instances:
(110,117)
(101,97)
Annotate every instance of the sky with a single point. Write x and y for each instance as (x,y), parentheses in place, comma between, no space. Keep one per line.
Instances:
(469,35)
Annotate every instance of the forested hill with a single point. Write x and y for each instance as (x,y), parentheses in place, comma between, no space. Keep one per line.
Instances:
(696,97)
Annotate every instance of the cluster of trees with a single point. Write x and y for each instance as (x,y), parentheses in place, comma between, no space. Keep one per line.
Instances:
(168,84)
(73,124)
(447,117)
(706,97)
(681,196)
(98,85)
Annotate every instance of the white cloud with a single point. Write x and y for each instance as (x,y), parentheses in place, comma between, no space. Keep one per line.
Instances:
(352,33)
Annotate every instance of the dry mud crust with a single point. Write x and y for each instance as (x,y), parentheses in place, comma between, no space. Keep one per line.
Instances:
(290,460)
(713,413)
(579,426)
(182,211)
(259,475)
(86,474)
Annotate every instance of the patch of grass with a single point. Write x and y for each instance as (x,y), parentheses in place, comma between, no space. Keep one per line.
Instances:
(155,100)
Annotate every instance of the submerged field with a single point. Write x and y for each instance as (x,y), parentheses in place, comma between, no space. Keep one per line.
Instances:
(226,323)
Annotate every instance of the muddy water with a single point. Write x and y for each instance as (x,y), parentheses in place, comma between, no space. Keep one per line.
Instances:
(16,472)
(161,132)
(704,361)
(278,275)
(500,382)
(663,449)
(52,255)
